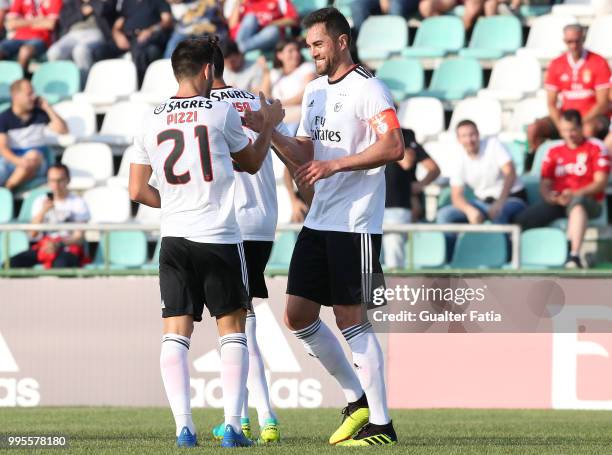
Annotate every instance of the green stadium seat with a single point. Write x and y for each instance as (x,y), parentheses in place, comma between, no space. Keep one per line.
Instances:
(153,264)
(517,151)
(370,45)
(494,37)
(344,6)
(6,205)
(455,79)
(304,7)
(25,212)
(9,73)
(436,37)
(444,198)
(476,250)
(402,76)
(127,250)
(540,154)
(56,81)
(534,10)
(532,188)
(17,243)
(428,250)
(543,248)
(282,251)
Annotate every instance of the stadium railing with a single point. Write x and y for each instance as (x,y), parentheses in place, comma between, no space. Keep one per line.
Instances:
(513,231)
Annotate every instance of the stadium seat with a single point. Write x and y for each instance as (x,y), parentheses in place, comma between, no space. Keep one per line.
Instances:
(154,262)
(493,37)
(148,215)
(282,251)
(428,250)
(158,85)
(517,151)
(402,76)
(108,204)
(455,79)
(543,248)
(545,39)
(370,46)
(17,243)
(442,152)
(582,8)
(524,113)
(437,37)
(6,205)
(532,188)
(423,115)
(344,6)
(485,112)
(127,250)
(90,164)
(123,174)
(56,81)
(304,7)
(121,123)
(513,78)
(536,167)
(108,82)
(81,120)
(9,73)
(599,36)
(25,212)
(475,250)
(444,198)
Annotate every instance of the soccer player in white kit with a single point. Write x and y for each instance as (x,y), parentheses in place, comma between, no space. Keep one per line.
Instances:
(349,119)
(188,144)
(257,214)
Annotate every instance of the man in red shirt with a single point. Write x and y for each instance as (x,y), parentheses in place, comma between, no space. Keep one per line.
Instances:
(33,22)
(574,176)
(578,79)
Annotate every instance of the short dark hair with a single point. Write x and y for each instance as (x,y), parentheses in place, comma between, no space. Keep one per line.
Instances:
(230,48)
(218,63)
(466,122)
(335,22)
(573,116)
(62,167)
(191,55)
(281,45)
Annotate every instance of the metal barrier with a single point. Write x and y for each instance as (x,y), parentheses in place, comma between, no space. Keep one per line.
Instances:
(513,230)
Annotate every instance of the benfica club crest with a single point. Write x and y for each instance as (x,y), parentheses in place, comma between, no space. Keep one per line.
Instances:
(587,76)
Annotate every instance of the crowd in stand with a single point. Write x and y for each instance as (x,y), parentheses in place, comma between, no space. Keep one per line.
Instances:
(484,183)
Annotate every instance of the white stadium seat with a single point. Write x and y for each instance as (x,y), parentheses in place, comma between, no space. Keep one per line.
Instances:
(90,164)
(108,82)
(583,9)
(121,123)
(599,36)
(513,78)
(108,205)
(485,112)
(545,40)
(443,153)
(159,83)
(122,177)
(80,118)
(524,113)
(148,215)
(424,115)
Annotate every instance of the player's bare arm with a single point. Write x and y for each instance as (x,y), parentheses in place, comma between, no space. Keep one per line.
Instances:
(140,190)
(253,155)
(388,148)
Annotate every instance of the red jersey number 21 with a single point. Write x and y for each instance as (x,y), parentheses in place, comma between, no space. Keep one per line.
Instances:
(201,134)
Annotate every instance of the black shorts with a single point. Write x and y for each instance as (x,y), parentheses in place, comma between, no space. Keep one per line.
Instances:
(193,274)
(257,254)
(335,268)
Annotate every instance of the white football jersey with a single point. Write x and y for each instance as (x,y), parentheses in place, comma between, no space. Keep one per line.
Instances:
(340,118)
(187,142)
(255,199)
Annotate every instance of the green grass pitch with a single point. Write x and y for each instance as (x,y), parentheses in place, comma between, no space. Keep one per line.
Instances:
(143,431)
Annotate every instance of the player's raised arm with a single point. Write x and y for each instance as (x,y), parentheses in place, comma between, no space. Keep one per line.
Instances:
(251,157)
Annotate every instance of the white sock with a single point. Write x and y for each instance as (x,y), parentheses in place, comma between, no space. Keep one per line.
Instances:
(175,374)
(245,403)
(257,383)
(369,364)
(234,370)
(321,343)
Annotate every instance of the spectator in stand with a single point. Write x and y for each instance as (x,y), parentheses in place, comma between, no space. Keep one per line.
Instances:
(62,248)
(289,78)
(362,9)
(143,28)
(196,18)
(487,168)
(578,79)
(4,7)
(22,138)
(574,177)
(402,195)
(83,26)
(473,9)
(251,76)
(259,24)
(33,23)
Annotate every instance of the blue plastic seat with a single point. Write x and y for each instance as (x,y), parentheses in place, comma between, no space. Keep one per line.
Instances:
(475,250)
(382,36)
(543,248)
(17,243)
(494,37)
(427,251)
(9,73)
(56,81)
(282,251)
(25,212)
(127,250)
(455,79)
(517,151)
(402,76)
(437,37)
(6,205)
(540,154)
